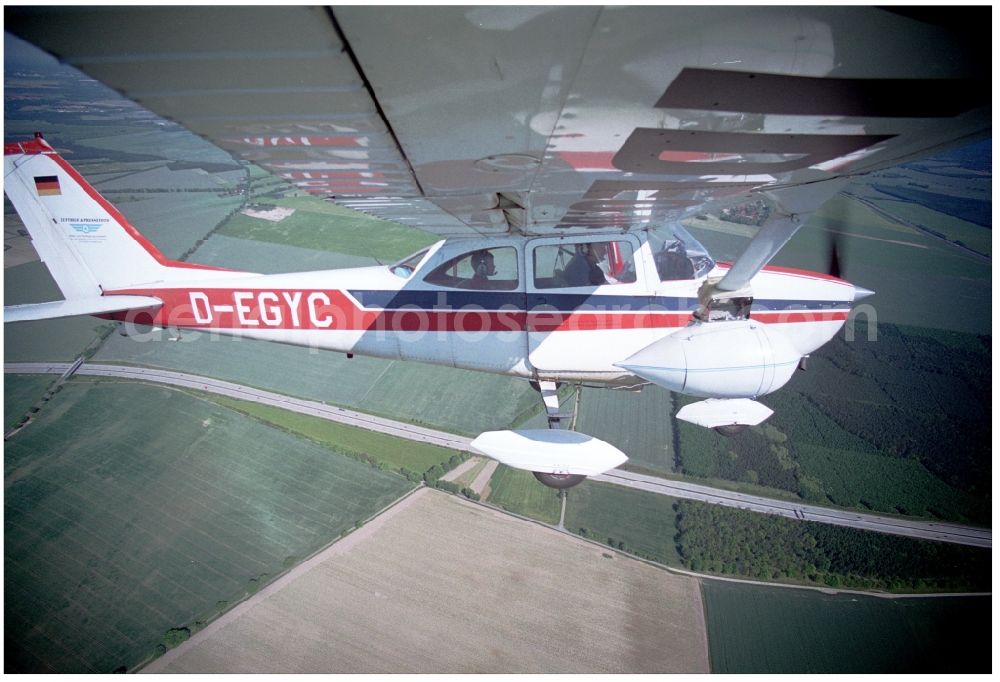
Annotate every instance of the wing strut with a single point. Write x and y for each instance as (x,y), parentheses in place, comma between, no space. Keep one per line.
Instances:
(793,208)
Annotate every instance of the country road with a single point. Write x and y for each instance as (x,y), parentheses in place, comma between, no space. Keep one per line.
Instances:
(925,530)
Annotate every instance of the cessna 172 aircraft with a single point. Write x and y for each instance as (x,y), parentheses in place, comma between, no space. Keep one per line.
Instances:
(556,150)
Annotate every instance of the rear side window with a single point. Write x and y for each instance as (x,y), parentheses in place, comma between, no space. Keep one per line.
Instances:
(484,269)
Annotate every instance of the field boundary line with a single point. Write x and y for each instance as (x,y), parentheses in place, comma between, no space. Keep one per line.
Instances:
(338,545)
(708,576)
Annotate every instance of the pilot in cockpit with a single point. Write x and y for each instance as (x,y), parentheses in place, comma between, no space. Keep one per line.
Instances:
(672,262)
(483,267)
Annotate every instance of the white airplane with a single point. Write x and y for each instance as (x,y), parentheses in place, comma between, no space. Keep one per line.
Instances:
(558,169)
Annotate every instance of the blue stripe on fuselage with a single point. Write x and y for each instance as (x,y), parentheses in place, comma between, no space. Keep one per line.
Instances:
(519,301)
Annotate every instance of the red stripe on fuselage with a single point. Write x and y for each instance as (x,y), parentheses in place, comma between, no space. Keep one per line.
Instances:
(809,274)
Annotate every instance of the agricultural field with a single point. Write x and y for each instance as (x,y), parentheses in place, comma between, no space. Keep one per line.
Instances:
(919,280)
(754,629)
(324,226)
(438,585)
(635,521)
(468,477)
(251,255)
(460,401)
(169,142)
(123,535)
(387,452)
(176,221)
(518,491)
(20,393)
(639,424)
(44,340)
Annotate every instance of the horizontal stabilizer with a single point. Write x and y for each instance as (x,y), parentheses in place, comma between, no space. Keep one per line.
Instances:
(714,412)
(78,306)
(550,451)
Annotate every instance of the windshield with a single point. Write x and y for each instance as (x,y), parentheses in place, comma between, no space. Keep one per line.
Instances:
(678,255)
(405,267)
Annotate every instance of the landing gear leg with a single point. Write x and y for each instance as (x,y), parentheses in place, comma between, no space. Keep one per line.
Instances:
(550,398)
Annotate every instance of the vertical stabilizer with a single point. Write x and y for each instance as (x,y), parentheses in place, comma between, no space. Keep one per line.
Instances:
(86,243)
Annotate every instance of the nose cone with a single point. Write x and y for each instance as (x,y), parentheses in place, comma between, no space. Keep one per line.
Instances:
(862,293)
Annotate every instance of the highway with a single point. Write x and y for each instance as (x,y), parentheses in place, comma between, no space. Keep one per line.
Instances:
(925,530)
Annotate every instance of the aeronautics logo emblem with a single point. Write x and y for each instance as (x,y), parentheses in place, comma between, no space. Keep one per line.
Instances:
(85,227)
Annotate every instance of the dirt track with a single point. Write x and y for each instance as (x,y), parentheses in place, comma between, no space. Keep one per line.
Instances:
(441,585)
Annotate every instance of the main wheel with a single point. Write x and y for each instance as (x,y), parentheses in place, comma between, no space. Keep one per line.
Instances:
(731,429)
(559,481)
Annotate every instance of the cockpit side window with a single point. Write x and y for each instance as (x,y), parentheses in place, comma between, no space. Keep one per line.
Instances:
(405,267)
(492,269)
(584,264)
(678,255)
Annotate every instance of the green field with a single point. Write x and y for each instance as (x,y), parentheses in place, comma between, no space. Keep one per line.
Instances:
(43,340)
(250,255)
(919,280)
(322,225)
(117,530)
(460,401)
(469,476)
(638,424)
(388,452)
(768,630)
(974,236)
(20,393)
(639,522)
(518,491)
(175,221)
(170,143)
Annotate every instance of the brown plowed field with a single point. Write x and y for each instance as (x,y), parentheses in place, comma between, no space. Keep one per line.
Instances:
(441,585)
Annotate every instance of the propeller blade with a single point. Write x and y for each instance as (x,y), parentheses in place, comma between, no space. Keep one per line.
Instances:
(834,268)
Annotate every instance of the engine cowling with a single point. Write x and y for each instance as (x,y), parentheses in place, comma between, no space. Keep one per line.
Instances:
(738,359)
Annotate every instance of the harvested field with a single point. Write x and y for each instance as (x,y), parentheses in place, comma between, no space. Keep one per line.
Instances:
(440,585)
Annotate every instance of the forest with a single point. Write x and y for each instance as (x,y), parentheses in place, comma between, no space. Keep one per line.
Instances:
(713,539)
(879,424)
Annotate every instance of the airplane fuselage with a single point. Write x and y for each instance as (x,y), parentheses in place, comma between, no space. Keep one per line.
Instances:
(525,325)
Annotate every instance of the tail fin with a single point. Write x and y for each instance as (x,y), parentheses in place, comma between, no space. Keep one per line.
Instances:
(86,243)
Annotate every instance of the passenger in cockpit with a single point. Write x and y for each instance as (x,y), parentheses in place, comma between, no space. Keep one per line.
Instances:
(582,269)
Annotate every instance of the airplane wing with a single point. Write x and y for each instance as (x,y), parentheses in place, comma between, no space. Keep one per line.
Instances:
(549,120)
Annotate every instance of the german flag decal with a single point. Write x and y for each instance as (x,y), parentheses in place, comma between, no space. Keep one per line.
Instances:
(47,185)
